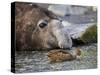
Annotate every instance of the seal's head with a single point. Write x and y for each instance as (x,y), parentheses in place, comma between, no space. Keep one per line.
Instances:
(38,28)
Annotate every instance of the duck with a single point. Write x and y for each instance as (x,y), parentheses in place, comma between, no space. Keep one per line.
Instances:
(59,55)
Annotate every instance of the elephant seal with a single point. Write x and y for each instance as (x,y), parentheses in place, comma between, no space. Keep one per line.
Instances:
(39,28)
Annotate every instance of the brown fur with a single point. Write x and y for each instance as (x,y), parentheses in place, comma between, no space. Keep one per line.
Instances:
(26,18)
(29,33)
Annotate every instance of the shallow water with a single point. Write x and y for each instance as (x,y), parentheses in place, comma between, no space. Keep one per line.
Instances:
(37,61)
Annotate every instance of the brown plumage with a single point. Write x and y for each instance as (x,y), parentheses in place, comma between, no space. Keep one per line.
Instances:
(59,55)
(78,51)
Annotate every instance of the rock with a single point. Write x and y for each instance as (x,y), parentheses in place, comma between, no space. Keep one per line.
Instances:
(90,35)
(84,33)
(88,61)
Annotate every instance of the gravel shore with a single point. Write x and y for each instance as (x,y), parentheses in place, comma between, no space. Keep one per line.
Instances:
(37,61)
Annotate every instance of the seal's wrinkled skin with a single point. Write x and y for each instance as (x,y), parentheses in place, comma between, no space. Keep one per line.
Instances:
(38,28)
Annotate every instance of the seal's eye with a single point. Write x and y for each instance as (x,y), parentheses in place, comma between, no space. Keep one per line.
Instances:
(42,25)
